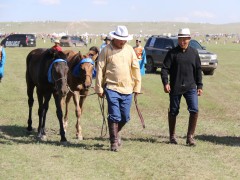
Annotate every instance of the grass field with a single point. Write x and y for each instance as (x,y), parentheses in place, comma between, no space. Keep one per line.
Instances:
(145,153)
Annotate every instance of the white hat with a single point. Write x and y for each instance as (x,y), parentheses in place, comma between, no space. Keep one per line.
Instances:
(184,32)
(121,33)
(56,41)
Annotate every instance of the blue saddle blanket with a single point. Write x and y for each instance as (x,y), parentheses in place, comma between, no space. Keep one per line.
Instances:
(50,69)
(76,69)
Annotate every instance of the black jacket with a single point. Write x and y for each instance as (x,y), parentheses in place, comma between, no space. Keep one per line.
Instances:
(184,70)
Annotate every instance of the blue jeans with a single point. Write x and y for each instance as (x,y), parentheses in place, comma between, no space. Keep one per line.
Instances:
(119,105)
(191,100)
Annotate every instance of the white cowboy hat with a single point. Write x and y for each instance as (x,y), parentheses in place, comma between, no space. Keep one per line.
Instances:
(184,32)
(121,33)
(56,41)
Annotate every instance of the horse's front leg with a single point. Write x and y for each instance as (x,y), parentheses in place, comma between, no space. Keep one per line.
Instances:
(83,97)
(47,98)
(65,120)
(78,115)
(40,114)
(59,102)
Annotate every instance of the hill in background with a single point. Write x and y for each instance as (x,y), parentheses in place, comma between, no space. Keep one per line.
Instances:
(145,28)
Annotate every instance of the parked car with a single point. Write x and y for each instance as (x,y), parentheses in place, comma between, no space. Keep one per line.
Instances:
(68,41)
(19,40)
(157,47)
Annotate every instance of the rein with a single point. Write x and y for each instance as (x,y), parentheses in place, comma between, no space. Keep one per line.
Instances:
(101,105)
(80,94)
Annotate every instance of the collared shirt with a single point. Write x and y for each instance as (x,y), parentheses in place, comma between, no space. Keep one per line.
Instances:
(118,70)
(184,69)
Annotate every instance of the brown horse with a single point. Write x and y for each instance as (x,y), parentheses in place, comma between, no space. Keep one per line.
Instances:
(79,81)
(47,71)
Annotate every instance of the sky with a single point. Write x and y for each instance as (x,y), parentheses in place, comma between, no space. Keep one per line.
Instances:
(194,11)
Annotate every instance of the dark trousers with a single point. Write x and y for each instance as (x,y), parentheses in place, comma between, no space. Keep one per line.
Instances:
(191,100)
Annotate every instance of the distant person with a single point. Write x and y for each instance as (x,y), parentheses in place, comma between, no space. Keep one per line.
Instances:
(57,45)
(141,55)
(182,65)
(93,54)
(118,78)
(107,41)
(2,61)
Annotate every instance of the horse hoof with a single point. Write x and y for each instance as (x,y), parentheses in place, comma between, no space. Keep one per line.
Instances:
(29,128)
(80,138)
(44,138)
(41,137)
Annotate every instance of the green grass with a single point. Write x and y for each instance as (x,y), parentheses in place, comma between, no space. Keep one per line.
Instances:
(145,153)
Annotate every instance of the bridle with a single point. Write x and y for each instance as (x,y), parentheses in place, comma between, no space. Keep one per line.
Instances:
(55,82)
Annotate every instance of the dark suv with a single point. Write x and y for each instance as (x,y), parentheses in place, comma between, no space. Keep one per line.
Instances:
(157,47)
(19,40)
(69,41)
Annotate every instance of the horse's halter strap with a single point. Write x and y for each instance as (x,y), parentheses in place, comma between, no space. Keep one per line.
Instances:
(50,77)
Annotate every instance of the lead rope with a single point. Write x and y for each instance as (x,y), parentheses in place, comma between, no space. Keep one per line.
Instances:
(101,105)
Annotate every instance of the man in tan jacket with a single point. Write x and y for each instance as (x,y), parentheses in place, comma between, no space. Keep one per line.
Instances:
(118,77)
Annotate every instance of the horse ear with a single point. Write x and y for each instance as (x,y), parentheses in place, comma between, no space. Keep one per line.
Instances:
(80,54)
(67,54)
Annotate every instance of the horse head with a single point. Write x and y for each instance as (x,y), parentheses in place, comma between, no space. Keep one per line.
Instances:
(58,72)
(86,70)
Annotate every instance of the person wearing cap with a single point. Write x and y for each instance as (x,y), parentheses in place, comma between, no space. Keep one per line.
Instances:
(141,55)
(107,41)
(118,78)
(57,45)
(183,67)
(2,61)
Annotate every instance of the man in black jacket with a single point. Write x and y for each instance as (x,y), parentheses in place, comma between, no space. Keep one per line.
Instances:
(182,65)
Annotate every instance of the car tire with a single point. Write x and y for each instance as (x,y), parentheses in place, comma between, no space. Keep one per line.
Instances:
(150,66)
(209,72)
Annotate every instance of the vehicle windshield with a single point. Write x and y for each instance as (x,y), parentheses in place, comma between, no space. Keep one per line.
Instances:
(175,42)
(194,44)
(64,37)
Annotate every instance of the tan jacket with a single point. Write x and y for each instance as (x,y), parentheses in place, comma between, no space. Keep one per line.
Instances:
(118,70)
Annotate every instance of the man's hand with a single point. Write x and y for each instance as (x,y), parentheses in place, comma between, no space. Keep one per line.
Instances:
(101,95)
(199,92)
(136,94)
(167,88)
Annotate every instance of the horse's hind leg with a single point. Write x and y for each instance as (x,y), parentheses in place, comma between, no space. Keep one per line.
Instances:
(30,89)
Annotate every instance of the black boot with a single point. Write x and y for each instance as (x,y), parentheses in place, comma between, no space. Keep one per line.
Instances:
(113,135)
(191,129)
(172,124)
(120,126)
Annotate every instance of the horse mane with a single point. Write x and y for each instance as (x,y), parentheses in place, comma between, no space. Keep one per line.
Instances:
(73,58)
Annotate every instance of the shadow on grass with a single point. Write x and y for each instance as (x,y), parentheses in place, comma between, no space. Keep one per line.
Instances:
(223,140)
(154,139)
(19,135)
(14,131)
